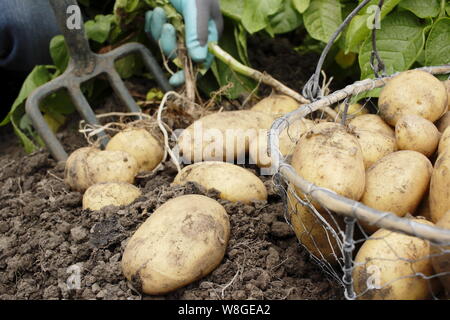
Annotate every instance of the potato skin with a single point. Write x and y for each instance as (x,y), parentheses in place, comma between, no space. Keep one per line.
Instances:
(76,171)
(276,105)
(380,256)
(182,241)
(211,137)
(417,134)
(106,194)
(444,122)
(440,187)
(374,145)
(440,260)
(373,123)
(234,183)
(444,142)
(141,144)
(397,183)
(413,92)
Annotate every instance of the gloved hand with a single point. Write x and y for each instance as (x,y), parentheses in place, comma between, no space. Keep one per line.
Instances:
(203,23)
(26,28)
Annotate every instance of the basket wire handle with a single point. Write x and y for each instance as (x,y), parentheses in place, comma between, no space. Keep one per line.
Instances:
(376,62)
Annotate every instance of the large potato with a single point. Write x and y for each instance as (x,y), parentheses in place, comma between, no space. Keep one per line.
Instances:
(392,263)
(233,182)
(444,122)
(444,142)
(417,134)
(373,123)
(88,166)
(181,242)
(276,105)
(374,145)
(441,255)
(397,183)
(413,92)
(440,187)
(141,144)
(287,140)
(106,194)
(222,136)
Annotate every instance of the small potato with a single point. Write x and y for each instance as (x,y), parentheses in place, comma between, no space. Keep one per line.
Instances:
(182,241)
(444,122)
(223,136)
(276,105)
(397,183)
(441,255)
(374,145)
(413,92)
(141,144)
(417,134)
(444,142)
(234,183)
(440,187)
(87,166)
(116,194)
(372,122)
(389,264)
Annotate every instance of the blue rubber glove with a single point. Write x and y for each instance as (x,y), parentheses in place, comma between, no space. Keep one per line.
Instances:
(26,28)
(203,23)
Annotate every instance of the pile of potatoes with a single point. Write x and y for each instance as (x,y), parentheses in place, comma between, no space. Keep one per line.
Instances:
(398,162)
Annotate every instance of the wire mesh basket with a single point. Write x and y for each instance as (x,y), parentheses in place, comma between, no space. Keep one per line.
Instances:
(406,258)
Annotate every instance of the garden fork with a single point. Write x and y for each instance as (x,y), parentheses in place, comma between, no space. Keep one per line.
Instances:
(83,66)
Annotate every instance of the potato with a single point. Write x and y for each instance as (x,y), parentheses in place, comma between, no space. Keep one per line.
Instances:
(354,110)
(222,136)
(374,145)
(373,123)
(417,134)
(234,183)
(413,92)
(440,187)
(392,262)
(88,166)
(441,260)
(141,144)
(287,141)
(444,142)
(397,183)
(444,122)
(182,241)
(106,194)
(276,105)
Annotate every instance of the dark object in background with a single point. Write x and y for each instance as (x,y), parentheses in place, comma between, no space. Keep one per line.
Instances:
(10,84)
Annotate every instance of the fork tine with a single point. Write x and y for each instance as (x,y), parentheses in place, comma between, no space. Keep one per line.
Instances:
(122,92)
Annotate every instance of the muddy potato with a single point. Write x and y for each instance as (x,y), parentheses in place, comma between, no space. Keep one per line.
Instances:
(222,136)
(444,122)
(276,105)
(76,173)
(417,134)
(440,187)
(234,183)
(413,92)
(287,140)
(390,260)
(374,145)
(106,194)
(397,183)
(141,144)
(444,142)
(182,241)
(372,122)
(441,259)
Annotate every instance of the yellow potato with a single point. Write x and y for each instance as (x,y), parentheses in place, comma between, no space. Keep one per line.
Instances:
(276,105)
(222,136)
(397,183)
(444,122)
(106,194)
(76,173)
(388,264)
(141,144)
(444,142)
(374,145)
(440,187)
(441,259)
(373,123)
(182,241)
(417,134)
(413,92)
(233,182)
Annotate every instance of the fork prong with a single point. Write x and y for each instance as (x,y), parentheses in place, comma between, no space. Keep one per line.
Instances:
(121,91)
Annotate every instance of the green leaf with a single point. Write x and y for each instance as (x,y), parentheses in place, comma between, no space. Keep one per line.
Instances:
(99,29)
(129,66)
(322,18)
(358,30)
(59,53)
(399,42)
(437,49)
(301,5)
(241,42)
(232,8)
(286,20)
(421,8)
(256,13)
